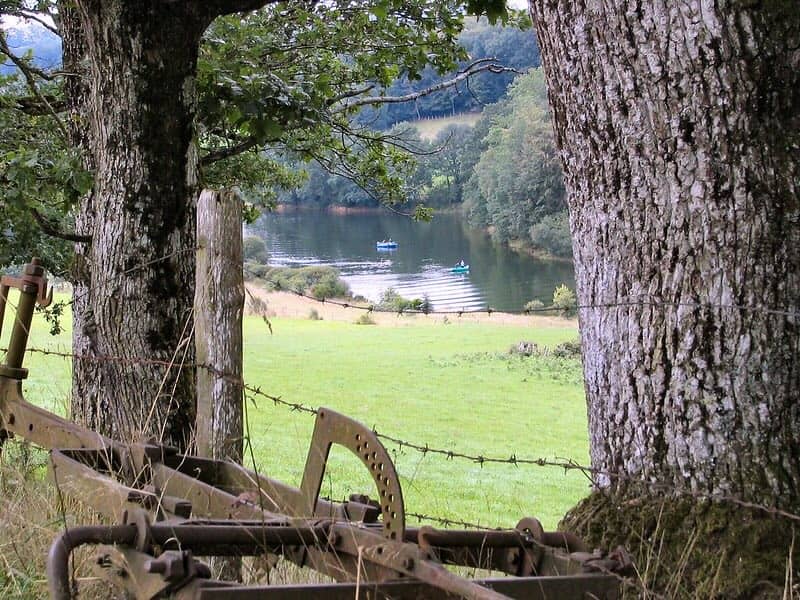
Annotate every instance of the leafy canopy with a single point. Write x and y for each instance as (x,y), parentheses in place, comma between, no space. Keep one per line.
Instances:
(286,80)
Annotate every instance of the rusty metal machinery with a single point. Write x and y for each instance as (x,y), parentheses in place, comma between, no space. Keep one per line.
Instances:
(171,508)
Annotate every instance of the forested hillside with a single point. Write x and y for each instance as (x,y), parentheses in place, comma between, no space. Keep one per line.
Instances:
(504,171)
(479,166)
(44,46)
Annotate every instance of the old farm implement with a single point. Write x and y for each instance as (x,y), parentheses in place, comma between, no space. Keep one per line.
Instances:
(170,508)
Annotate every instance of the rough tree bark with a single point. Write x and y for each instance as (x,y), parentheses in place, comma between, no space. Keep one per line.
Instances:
(134,283)
(680,136)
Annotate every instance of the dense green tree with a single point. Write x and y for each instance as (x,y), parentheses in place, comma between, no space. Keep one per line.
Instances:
(160,94)
(445,167)
(517,180)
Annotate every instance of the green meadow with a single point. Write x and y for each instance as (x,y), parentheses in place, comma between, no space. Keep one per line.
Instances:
(451,386)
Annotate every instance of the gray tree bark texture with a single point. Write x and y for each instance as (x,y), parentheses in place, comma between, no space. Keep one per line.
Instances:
(134,284)
(679,129)
(218,311)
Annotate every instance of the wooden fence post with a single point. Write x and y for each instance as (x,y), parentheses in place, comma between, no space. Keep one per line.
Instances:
(218,309)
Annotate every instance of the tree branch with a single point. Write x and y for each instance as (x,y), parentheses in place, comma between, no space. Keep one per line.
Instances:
(51,229)
(30,15)
(223,153)
(351,93)
(479,66)
(29,73)
(35,107)
(217,8)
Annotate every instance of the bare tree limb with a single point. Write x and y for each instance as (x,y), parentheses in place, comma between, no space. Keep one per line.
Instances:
(30,77)
(223,153)
(479,66)
(35,107)
(51,229)
(216,8)
(351,93)
(30,15)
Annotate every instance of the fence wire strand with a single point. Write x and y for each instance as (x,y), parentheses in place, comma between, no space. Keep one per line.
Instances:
(425,449)
(634,301)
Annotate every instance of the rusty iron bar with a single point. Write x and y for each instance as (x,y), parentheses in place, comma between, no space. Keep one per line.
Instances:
(32,286)
(222,537)
(583,587)
(446,538)
(205,538)
(68,540)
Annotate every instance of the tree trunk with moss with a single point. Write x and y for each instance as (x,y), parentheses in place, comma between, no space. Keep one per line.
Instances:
(679,130)
(134,283)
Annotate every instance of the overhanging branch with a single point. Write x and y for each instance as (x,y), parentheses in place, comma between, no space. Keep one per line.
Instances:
(30,73)
(223,153)
(31,15)
(216,8)
(479,66)
(52,230)
(35,107)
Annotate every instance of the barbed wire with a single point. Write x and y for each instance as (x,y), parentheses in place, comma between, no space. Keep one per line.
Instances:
(256,390)
(440,520)
(629,302)
(481,459)
(643,301)
(112,279)
(453,522)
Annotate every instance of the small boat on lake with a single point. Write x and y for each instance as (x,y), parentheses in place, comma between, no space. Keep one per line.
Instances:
(460,269)
(384,245)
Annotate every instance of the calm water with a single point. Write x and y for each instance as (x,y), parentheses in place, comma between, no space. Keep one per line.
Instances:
(419,266)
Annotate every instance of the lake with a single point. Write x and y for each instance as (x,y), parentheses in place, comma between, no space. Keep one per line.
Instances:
(499,277)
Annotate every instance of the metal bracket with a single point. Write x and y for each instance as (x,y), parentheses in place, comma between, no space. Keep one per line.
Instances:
(33,290)
(334,428)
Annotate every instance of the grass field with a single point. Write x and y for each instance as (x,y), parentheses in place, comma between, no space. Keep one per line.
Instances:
(451,386)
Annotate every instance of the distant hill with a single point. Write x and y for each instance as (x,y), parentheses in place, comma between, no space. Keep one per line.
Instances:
(510,46)
(43,45)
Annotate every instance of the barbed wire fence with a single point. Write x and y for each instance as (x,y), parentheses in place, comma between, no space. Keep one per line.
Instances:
(425,449)
(631,302)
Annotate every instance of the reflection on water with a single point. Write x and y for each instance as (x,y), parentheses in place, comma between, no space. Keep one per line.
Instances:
(420,266)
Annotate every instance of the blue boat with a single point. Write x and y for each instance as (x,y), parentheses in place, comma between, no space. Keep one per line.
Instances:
(386,245)
(460,269)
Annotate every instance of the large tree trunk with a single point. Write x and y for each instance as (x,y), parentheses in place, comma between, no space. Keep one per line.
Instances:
(680,135)
(134,283)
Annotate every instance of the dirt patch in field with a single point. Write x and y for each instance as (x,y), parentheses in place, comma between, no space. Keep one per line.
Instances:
(289,305)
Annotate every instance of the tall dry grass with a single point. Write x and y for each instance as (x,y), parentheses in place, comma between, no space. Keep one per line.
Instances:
(32,514)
